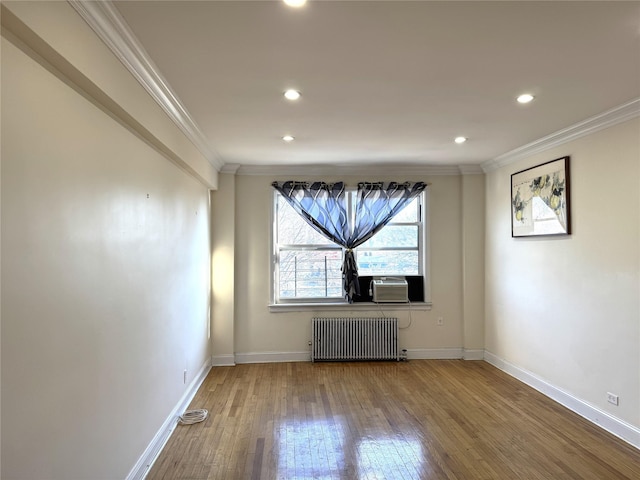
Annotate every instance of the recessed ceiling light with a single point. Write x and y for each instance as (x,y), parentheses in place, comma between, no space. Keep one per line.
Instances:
(288,138)
(295,3)
(525,98)
(460,139)
(292,94)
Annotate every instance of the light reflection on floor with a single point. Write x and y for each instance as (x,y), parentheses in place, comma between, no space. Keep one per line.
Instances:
(328,450)
(389,458)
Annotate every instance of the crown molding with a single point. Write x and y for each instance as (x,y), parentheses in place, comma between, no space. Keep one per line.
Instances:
(335,170)
(107,23)
(470,170)
(230,168)
(607,119)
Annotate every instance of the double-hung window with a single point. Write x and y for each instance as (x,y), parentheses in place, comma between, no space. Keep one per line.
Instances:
(307,266)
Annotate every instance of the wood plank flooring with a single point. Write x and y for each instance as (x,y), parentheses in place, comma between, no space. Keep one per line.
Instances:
(423,419)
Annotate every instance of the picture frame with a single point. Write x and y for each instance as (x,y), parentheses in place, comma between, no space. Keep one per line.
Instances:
(540,200)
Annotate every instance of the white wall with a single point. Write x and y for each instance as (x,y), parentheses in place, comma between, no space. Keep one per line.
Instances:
(58,34)
(105,275)
(566,309)
(264,335)
(473,208)
(223,221)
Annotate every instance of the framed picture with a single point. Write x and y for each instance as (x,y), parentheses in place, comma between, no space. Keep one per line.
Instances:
(540,200)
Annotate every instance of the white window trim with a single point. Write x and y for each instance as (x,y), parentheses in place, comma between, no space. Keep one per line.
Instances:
(351,307)
(329,304)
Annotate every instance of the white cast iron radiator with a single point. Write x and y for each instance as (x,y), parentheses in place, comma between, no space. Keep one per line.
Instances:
(335,339)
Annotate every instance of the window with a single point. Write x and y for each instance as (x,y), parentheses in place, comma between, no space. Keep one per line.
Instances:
(307,266)
(394,250)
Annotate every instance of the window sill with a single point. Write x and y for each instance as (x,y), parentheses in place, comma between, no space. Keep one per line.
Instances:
(352,307)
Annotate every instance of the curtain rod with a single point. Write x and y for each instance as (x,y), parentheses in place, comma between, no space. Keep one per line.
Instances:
(296,183)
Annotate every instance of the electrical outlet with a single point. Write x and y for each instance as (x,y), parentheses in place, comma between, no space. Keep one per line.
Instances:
(440,321)
(612,398)
(184,377)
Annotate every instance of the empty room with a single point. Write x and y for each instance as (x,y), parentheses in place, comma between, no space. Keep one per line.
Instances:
(320,240)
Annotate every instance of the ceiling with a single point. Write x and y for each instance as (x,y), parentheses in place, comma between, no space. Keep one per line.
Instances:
(388,82)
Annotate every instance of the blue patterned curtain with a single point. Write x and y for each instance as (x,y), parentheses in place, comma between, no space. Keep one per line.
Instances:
(324,207)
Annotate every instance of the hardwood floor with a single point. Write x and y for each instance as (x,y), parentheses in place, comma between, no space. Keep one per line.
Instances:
(424,419)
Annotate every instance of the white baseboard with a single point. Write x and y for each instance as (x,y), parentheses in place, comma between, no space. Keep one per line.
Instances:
(223,360)
(608,422)
(434,354)
(273,357)
(469,354)
(144,463)
(418,354)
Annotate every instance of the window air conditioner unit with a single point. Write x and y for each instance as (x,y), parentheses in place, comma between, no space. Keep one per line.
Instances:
(390,290)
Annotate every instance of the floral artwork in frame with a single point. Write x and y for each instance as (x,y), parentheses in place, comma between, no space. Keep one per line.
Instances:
(540,200)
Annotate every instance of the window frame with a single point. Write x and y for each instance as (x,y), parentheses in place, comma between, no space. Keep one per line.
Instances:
(423,259)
